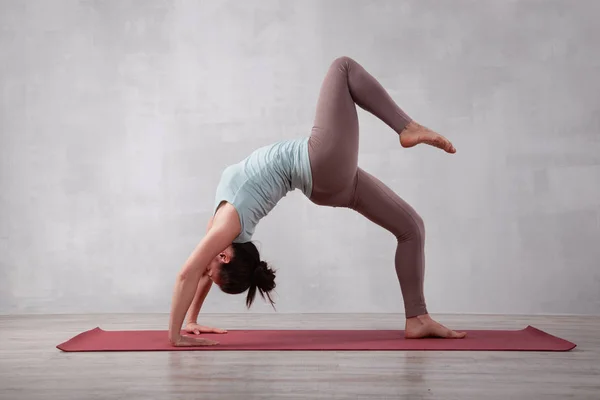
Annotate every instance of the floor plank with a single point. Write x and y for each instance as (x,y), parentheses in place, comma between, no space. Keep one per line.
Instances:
(32,368)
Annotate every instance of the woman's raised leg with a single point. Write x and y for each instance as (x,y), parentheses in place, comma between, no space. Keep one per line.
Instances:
(333,143)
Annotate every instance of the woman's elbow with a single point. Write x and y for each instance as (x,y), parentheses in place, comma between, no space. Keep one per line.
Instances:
(186,274)
(182,276)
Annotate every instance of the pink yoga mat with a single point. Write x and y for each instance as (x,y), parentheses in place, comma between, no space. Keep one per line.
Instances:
(528,339)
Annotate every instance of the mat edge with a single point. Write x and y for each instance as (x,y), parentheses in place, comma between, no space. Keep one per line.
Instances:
(63,344)
(570,345)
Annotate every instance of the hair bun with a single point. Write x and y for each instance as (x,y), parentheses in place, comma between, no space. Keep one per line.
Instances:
(264,277)
(245,271)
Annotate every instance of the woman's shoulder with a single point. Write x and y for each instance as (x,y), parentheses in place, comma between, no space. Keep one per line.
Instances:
(226,214)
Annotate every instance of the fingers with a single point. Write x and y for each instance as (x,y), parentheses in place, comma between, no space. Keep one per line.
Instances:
(208,329)
(205,342)
(187,341)
(198,329)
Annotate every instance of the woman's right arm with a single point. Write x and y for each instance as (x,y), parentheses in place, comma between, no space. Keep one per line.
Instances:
(204,285)
(225,229)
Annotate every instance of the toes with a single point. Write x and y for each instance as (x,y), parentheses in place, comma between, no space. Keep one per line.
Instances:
(445,144)
(448,146)
(450,334)
(441,143)
(457,335)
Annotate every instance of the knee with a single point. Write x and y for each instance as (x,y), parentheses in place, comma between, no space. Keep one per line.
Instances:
(419,225)
(343,63)
(413,229)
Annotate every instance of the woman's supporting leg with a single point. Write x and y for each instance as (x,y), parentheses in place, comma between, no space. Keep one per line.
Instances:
(338,182)
(377,202)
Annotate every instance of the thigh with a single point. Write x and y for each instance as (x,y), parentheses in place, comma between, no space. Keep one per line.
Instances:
(333,144)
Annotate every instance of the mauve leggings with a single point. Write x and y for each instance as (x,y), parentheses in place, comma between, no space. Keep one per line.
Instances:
(339,182)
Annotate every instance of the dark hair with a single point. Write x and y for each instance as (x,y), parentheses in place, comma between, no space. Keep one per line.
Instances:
(245,271)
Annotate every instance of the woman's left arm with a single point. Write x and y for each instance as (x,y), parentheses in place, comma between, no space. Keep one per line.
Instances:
(224,230)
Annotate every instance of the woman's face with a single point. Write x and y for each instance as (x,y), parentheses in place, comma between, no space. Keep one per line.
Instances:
(214,268)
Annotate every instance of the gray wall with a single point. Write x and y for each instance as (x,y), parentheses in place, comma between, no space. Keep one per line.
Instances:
(117,118)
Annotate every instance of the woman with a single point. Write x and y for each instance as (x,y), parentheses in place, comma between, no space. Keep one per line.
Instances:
(324,167)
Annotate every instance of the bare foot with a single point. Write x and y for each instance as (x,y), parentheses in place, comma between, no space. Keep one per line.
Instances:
(424,326)
(414,134)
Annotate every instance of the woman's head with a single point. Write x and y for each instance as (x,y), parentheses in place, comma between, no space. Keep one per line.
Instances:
(239,268)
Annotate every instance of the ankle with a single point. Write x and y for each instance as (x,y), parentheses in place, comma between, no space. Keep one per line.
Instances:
(411,126)
(420,318)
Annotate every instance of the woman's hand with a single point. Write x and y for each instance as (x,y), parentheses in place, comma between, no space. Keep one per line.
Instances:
(196,329)
(226,227)
(187,341)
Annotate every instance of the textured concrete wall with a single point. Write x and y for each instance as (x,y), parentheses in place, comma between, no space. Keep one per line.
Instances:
(117,117)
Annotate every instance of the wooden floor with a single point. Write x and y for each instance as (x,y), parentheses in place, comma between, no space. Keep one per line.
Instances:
(32,368)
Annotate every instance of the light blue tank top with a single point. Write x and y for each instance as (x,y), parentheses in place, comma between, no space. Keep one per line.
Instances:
(255,184)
